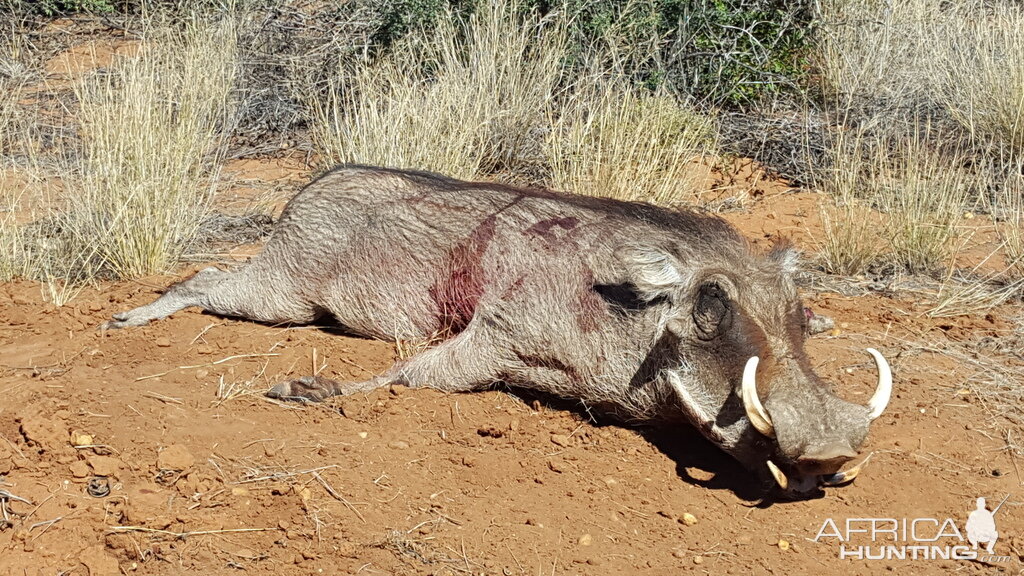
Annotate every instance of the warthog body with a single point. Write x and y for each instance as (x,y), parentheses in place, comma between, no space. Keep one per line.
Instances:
(648,312)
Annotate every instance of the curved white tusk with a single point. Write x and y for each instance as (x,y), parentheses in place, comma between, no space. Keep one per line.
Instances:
(780,478)
(751,404)
(883,392)
(846,477)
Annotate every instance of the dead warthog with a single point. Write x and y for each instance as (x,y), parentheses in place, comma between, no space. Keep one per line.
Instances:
(652,313)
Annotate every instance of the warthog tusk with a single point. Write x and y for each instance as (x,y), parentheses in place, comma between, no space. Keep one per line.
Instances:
(780,478)
(840,478)
(883,392)
(751,403)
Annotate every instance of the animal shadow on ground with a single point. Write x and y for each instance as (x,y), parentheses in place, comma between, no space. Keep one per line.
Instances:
(680,442)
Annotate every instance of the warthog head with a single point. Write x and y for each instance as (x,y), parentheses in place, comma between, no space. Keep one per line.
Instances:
(745,380)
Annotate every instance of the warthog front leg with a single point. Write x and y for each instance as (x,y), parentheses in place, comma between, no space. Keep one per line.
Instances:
(251,292)
(464,363)
(191,292)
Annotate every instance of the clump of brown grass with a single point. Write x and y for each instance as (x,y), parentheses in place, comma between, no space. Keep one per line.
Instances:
(150,136)
(1009,217)
(924,195)
(488,97)
(920,193)
(850,241)
(978,62)
(463,99)
(15,253)
(926,86)
(611,139)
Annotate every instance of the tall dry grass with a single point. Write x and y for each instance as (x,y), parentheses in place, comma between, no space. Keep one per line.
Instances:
(611,139)
(150,135)
(933,94)
(918,196)
(12,242)
(979,65)
(463,99)
(1009,217)
(491,97)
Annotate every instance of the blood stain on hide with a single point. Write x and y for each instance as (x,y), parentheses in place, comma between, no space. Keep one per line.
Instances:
(457,295)
(544,228)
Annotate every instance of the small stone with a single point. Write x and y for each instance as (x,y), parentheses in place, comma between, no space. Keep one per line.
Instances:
(468,461)
(688,519)
(698,559)
(240,491)
(104,465)
(398,445)
(489,432)
(556,465)
(363,435)
(783,545)
(560,440)
(163,342)
(585,540)
(175,457)
(202,373)
(81,439)
(79,469)
(679,554)
(608,480)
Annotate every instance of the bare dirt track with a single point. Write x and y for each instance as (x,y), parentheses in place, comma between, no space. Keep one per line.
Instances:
(206,476)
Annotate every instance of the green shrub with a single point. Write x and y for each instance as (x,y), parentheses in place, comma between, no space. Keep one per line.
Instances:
(725,52)
(56,7)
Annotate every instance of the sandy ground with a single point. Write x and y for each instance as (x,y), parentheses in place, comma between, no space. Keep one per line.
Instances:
(153,451)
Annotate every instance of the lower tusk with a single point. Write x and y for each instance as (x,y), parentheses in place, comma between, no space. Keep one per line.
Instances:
(780,478)
(841,478)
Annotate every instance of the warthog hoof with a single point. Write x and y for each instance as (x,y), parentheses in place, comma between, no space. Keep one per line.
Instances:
(305,389)
(125,320)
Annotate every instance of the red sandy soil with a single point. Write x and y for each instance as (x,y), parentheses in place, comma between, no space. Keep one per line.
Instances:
(207,476)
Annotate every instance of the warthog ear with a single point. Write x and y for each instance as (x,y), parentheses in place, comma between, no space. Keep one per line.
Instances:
(653,271)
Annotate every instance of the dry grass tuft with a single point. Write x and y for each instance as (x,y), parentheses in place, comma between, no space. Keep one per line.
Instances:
(464,99)
(12,235)
(150,135)
(921,193)
(487,97)
(610,139)
(1009,216)
(935,102)
(850,241)
(978,62)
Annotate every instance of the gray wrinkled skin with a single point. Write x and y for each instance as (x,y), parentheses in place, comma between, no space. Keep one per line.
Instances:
(643,311)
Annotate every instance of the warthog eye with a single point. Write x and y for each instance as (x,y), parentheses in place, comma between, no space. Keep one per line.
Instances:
(711,313)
